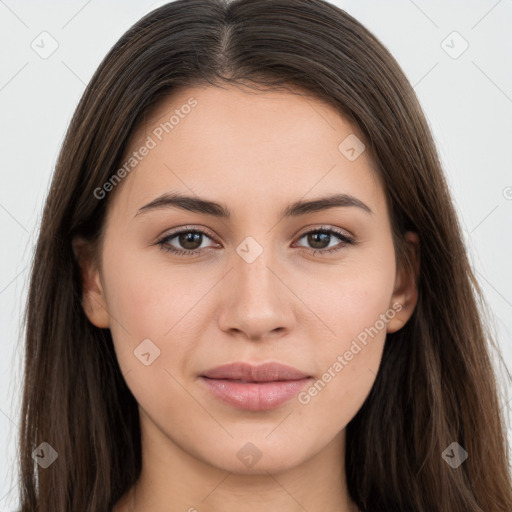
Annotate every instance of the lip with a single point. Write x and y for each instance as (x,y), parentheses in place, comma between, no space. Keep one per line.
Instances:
(254,387)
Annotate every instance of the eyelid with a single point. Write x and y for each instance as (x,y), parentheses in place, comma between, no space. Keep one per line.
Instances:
(176,231)
(323,227)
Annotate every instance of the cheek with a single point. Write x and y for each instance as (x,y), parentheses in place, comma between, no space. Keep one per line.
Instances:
(355,307)
(149,299)
(351,296)
(149,307)
(146,302)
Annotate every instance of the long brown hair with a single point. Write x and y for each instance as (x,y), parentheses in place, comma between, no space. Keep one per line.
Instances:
(436,384)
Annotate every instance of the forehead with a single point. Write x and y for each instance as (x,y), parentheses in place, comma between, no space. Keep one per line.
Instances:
(247,145)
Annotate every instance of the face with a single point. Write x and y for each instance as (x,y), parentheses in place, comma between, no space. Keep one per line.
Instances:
(185,290)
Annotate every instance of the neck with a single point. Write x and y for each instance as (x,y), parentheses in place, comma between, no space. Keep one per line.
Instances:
(172,476)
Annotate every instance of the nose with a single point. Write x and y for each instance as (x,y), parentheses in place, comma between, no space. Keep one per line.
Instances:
(257,303)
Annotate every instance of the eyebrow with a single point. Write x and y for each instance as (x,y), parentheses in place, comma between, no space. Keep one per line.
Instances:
(204,206)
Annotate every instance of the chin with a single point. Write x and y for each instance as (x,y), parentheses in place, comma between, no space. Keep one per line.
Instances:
(257,458)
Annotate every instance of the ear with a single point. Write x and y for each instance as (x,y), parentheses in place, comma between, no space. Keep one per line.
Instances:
(405,292)
(93,298)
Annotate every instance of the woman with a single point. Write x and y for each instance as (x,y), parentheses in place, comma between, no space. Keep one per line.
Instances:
(250,289)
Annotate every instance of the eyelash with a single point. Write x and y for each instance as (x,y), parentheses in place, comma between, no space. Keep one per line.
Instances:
(163,242)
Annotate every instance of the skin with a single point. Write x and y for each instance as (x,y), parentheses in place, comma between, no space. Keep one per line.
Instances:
(255,152)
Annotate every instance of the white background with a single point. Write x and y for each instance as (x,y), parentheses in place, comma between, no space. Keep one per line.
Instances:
(467,100)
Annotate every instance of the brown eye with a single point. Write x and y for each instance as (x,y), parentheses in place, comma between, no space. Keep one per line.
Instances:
(189,240)
(184,242)
(319,240)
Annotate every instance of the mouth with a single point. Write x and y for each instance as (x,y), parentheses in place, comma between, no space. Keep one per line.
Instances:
(254,388)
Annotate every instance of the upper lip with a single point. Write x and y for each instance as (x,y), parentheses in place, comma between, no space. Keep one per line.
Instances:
(266,372)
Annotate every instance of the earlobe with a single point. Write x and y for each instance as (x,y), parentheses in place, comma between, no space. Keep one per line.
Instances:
(94,302)
(405,292)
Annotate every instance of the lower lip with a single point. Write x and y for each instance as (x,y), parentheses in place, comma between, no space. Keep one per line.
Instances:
(255,396)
